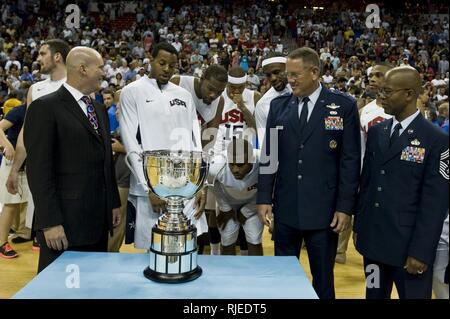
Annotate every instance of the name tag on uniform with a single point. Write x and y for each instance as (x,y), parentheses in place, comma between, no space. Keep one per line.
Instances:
(334,123)
(413,154)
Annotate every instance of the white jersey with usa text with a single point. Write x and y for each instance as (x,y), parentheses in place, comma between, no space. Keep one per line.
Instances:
(232,124)
(230,192)
(262,110)
(156,119)
(205,113)
(45,87)
(371,114)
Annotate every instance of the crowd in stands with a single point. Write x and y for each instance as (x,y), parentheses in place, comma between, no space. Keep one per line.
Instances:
(229,33)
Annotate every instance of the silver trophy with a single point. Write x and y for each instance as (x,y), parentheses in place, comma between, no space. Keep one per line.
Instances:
(174,176)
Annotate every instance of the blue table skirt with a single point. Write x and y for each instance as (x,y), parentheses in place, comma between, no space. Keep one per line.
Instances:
(119,275)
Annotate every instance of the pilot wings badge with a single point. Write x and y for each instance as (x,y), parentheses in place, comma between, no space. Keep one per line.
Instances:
(333,106)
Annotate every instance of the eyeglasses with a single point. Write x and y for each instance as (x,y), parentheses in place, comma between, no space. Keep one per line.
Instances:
(295,75)
(389,92)
(292,75)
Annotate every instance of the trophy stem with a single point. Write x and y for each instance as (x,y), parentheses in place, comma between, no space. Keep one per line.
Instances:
(175,205)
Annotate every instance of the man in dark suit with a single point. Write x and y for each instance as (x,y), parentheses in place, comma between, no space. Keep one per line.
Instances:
(69,164)
(313,136)
(403,195)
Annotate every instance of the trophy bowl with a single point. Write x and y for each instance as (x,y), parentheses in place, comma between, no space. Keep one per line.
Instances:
(174,176)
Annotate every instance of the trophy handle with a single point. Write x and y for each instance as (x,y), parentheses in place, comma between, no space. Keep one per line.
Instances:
(145,186)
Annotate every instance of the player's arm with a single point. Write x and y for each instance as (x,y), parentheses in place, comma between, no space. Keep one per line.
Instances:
(249,118)
(212,126)
(5,145)
(19,156)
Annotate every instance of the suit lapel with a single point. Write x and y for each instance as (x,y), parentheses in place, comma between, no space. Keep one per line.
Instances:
(316,115)
(74,108)
(101,120)
(385,135)
(404,140)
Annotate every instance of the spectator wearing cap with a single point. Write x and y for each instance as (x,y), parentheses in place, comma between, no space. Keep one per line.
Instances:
(11,103)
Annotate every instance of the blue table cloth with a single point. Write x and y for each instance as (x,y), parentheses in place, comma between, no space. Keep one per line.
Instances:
(119,275)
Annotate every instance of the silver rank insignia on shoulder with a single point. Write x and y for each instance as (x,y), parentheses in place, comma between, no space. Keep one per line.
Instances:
(333,106)
(333,113)
(415,142)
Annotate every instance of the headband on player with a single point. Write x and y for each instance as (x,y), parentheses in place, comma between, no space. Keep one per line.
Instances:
(276,59)
(233,80)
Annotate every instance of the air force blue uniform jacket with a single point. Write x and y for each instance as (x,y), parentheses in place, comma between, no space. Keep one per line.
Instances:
(318,169)
(403,196)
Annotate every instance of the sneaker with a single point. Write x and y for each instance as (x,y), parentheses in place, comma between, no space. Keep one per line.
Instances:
(35,246)
(7,252)
(20,240)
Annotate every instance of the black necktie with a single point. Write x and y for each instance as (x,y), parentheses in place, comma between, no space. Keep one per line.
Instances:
(304,114)
(396,133)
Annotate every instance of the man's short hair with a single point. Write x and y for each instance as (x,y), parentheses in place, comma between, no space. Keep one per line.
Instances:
(216,72)
(307,55)
(108,91)
(58,46)
(386,64)
(236,72)
(165,47)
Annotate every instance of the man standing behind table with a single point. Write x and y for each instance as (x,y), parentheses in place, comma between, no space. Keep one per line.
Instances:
(157,115)
(403,197)
(311,174)
(69,163)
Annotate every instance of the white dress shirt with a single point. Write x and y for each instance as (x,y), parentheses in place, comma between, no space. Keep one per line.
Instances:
(405,123)
(312,101)
(77,95)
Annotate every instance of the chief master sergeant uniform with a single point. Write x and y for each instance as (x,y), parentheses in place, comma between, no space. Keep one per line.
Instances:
(402,204)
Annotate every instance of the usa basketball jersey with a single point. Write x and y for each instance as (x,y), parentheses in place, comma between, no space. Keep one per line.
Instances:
(232,124)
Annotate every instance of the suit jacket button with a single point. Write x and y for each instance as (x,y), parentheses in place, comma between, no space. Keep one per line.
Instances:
(299,176)
(379,189)
(376,205)
(382,172)
(300,161)
(302,146)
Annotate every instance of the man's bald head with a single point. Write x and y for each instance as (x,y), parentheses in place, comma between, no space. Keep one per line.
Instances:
(400,91)
(405,77)
(84,69)
(81,56)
